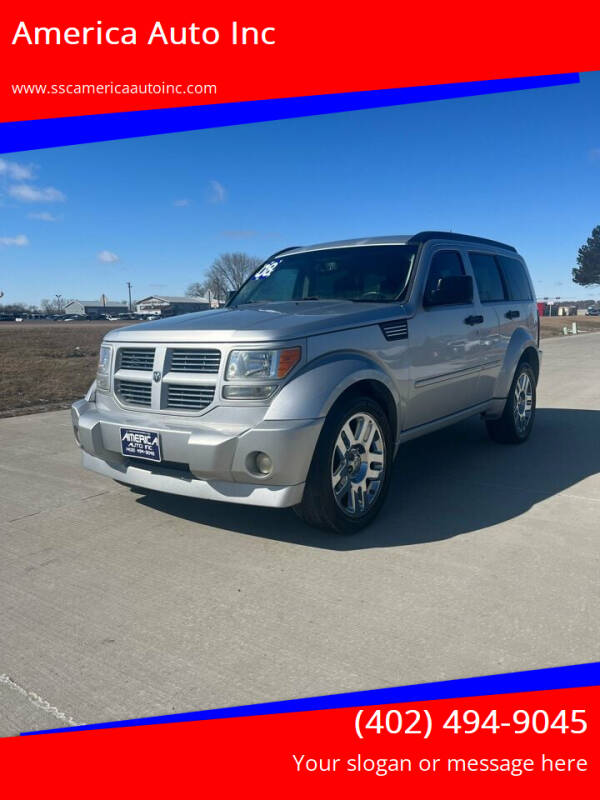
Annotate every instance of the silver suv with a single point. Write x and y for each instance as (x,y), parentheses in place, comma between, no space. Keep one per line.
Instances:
(301,390)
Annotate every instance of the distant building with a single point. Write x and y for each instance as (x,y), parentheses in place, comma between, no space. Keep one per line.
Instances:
(95,308)
(567,311)
(171,306)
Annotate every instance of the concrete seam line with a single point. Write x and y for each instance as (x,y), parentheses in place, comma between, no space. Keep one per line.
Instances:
(57,508)
(36,700)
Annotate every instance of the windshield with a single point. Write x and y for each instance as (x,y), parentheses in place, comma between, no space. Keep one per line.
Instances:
(368,273)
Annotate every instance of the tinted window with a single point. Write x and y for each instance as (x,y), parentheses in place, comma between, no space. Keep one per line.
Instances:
(487,276)
(515,278)
(443,265)
(282,283)
(369,273)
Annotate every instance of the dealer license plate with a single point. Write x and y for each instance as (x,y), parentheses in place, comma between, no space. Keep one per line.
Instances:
(140,444)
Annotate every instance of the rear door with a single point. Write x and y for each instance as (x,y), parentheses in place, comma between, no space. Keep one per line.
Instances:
(519,309)
(492,296)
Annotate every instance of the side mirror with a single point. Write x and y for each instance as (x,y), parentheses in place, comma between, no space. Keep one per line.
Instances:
(450,290)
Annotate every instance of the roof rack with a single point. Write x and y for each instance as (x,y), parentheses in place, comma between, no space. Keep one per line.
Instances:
(285,250)
(426,236)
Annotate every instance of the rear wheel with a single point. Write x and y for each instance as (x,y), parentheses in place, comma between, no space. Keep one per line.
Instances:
(516,422)
(350,471)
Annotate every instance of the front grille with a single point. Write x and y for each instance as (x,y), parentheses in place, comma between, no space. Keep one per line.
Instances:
(192,397)
(138,358)
(187,360)
(135,394)
(395,329)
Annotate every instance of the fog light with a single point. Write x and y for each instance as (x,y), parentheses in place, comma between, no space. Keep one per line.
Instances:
(264,465)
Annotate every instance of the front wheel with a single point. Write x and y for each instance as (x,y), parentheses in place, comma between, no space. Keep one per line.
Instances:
(516,422)
(351,468)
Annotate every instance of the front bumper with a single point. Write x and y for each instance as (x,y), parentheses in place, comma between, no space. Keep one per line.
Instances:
(201,460)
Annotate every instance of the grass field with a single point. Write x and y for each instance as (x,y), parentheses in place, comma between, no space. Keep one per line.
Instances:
(47,365)
(553,326)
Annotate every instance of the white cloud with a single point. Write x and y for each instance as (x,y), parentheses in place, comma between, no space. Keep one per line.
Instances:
(16,171)
(217,193)
(181,203)
(14,241)
(45,216)
(106,257)
(32,194)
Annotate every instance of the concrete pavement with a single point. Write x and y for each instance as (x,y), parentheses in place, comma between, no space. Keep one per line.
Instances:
(117,604)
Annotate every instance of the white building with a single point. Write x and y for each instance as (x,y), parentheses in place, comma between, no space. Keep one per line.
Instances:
(95,308)
(170,306)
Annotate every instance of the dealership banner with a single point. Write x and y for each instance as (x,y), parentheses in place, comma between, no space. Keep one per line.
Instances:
(503,735)
(74,74)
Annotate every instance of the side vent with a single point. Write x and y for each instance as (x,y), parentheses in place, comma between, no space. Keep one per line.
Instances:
(395,329)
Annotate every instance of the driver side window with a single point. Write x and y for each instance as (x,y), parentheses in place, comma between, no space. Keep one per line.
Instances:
(444,264)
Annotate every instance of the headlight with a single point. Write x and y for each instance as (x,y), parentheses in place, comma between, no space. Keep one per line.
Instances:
(103,373)
(261,364)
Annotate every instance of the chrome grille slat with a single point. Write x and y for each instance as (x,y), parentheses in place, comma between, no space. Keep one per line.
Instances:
(137,358)
(134,393)
(195,360)
(191,397)
(177,379)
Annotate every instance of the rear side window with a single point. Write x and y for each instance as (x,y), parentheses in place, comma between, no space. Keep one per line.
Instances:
(444,264)
(515,278)
(487,276)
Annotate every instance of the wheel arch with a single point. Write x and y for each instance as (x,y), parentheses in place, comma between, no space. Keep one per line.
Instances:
(530,355)
(313,393)
(377,391)
(521,347)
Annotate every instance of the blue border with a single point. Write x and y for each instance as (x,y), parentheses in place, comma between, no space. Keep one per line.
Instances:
(530,681)
(36,134)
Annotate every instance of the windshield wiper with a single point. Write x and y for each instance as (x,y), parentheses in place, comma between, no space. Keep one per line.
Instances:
(367,300)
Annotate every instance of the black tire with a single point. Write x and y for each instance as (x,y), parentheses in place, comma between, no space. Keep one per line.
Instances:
(319,506)
(512,427)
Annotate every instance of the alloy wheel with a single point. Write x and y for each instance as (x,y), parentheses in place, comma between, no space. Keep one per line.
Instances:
(523,402)
(357,464)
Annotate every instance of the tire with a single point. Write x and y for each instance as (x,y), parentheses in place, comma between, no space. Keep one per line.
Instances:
(354,453)
(516,422)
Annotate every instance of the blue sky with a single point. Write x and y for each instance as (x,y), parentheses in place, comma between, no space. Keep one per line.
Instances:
(523,167)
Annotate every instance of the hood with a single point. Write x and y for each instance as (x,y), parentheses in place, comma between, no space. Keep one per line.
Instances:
(265,322)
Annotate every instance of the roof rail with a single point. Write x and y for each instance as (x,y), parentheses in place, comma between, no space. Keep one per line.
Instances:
(426,236)
(285,250)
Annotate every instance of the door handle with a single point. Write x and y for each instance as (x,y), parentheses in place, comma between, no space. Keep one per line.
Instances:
(512,314)
(474,320)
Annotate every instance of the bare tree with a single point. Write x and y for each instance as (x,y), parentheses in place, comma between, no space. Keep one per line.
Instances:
(54,306)
(226,274)
(16,308)
(195,290)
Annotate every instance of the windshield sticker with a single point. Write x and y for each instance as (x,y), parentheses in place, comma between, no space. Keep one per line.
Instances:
(266,270)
